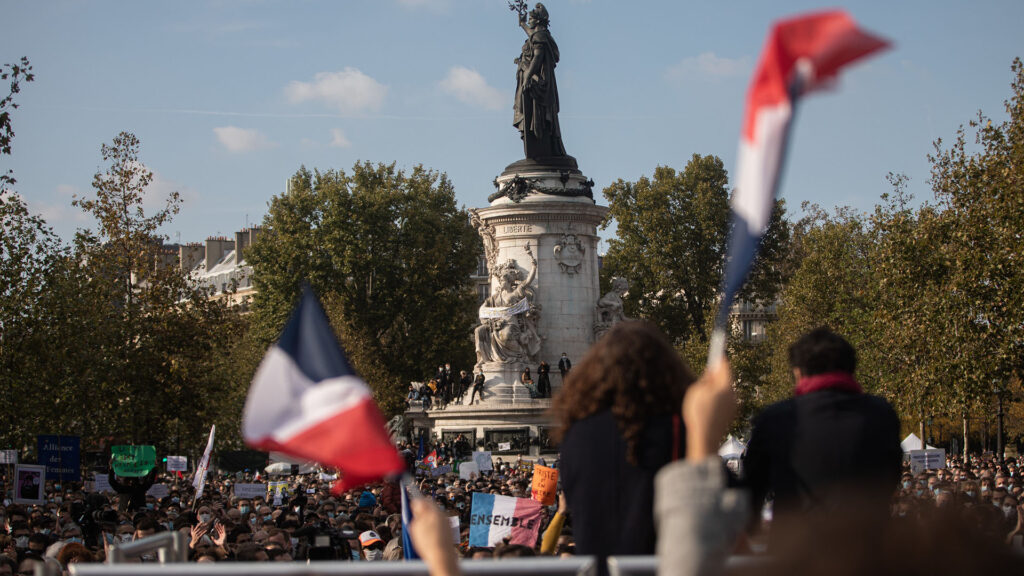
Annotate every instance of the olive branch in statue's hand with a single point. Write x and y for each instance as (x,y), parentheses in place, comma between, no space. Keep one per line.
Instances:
(518,6)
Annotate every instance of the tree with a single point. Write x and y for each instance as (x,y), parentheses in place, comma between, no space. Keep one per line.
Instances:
(670,244)
(16,73)
(390,255)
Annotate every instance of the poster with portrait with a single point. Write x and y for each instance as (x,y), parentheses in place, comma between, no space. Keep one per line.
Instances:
(29,481)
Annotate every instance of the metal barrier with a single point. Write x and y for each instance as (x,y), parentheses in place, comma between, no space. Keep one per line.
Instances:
(648,565)
(576,566)
(170,547)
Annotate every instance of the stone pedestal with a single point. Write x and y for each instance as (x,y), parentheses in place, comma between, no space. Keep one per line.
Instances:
(544,213)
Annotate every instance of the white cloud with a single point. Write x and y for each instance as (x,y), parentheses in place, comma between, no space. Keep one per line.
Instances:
(338,139)
(708,65)
(350,91)
(471,88)
(434,5)
(238,140)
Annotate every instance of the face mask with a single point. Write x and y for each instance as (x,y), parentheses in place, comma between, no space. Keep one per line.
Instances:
(172,514)
(918,492)
(984,489)
(244,510)
(46,531)
(374,554)
(21,542)
(124,538)
(176,500)
(204,518)
(150,506)
(907,484)
(1008,511)
(75,539)
(295,542)
(970,493)
(268,517)
(330,515)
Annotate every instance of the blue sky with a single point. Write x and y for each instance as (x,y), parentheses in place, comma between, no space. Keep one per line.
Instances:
(231,97)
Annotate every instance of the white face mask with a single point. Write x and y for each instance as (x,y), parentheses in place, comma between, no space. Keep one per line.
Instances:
(1008,511)
(21,542)
(373,554)
(204,518)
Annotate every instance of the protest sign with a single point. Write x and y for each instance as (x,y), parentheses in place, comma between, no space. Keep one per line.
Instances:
(423,469)
(278,491)
(133,461)
(504,446)
(158,491)
(483,461)
(468,470)
(29,481)
(453,521)
(101,483)
(931,459)
(524,467)
(250,491)
(440,470)
(494,518)
(8,456)
(61,455)
(545,484)
(177,463)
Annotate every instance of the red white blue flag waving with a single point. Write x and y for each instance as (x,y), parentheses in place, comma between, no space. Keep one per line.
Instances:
(801,54)
(307,402)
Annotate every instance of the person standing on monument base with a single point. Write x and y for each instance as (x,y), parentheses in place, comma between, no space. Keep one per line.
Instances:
(478,387)
(543,381)
(564,365)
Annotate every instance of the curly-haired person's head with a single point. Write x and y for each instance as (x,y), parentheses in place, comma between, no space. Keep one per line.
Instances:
(632,371)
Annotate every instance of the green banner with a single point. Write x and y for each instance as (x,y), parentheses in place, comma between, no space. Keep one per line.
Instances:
(133,461)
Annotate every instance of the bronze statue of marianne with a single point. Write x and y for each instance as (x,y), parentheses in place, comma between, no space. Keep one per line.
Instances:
(536,104)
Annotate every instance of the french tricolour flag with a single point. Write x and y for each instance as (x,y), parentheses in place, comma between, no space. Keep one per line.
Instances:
(494,518)
(307,402)
(801,54)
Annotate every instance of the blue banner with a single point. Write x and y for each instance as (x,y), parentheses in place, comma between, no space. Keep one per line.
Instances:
(62,457)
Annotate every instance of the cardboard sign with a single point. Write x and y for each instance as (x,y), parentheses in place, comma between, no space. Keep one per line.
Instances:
(278,490)
(495,518)
(8,456)
(177,463)
(930,459)
(483,461)
(158,491)
(61,455)
(133,461)
(468,470)
(440,470)
(29,481)
(250,491)
(545,484)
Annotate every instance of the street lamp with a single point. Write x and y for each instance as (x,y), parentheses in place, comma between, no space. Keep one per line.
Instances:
(1000,391)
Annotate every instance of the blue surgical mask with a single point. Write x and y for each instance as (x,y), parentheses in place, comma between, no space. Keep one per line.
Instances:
(75,539)
(243,509)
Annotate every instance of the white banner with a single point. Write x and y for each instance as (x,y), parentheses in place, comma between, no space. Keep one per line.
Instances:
(101,483)
(8,456)
(468,469)
(199,481)
(177,463)
(504,312)
(483,461)
(250,491)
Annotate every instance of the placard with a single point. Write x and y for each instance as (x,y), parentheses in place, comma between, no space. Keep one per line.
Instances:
(930,459)
(250,490)
(8,456)
(440,470)
(133,461)
(483,461)
(158,491)
(469,470)
(29,480)
(495,518)
(504,446)
(545,484)
(61,455)
(177,463)
(453,521)
(101,483)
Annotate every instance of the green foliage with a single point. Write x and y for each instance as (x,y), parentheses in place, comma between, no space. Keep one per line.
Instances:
(670,246)
(16,73)
(390,255)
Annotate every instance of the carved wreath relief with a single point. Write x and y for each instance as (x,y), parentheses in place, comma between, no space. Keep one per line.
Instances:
(569,253)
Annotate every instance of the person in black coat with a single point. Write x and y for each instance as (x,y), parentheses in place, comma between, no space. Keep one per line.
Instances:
(619,415)
(828,449)
(134,488)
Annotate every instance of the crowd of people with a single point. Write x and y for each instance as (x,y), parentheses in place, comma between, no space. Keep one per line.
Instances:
(823,487)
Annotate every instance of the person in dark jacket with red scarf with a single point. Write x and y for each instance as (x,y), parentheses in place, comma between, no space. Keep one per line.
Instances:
(831,449)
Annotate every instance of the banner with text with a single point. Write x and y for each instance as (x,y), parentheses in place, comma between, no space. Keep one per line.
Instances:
(494,518)
(133,461)
(250,490)
(8,456)
(921,460)
(62,457)
(177,463)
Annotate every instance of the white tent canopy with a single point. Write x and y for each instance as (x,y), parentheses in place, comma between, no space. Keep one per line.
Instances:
(732,449)
(913,442)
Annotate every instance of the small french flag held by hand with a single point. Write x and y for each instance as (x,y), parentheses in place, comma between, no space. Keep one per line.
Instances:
(801,54)
(306,401)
